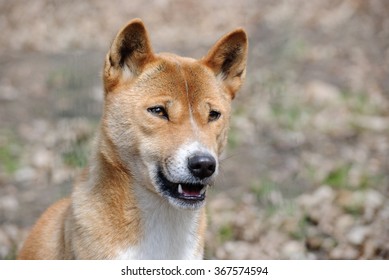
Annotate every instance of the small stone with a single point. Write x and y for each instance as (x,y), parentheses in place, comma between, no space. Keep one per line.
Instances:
(373,201)
(317,203)
(343,224)
(358,235)
(314,243)
(344,252)
(25,174)
(377,124)
(9,203)
(229,250)
(328,244)
(369,249)
(351,201)
(293,250)
(42,158)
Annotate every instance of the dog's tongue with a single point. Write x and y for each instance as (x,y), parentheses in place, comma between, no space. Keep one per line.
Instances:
(189,190)
(191,193)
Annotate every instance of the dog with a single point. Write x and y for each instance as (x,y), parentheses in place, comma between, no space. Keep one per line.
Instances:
(164,126)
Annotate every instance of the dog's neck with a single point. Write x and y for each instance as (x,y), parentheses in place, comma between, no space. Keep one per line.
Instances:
(167,232)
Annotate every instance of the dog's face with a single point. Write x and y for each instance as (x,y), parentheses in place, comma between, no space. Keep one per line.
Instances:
(166,117)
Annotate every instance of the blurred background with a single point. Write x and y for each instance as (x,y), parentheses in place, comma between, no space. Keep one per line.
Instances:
(306,174)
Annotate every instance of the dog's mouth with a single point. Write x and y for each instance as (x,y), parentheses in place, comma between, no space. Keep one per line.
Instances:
(189,193)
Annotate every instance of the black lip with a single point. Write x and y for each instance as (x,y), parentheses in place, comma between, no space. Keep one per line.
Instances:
(171,189)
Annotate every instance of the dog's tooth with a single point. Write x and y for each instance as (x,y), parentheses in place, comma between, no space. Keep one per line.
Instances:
(203,190)
(180,189)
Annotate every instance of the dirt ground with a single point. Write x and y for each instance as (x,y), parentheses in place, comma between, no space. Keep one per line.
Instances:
(306,175)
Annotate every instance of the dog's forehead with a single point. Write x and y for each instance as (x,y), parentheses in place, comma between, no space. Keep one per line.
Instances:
(181,77)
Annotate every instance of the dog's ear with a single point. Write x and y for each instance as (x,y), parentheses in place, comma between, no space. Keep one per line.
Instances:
(227,58)
(130,51)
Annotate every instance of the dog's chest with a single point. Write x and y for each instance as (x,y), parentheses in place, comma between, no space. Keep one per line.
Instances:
(168,233)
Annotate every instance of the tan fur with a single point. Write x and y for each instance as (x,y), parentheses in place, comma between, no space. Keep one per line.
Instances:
(107,214)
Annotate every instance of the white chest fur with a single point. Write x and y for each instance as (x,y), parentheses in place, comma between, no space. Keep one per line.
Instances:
(167,232)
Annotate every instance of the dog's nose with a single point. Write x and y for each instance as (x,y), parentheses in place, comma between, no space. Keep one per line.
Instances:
(202,166)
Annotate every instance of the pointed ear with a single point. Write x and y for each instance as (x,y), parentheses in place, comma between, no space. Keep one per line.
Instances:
(130,50)
(227,58)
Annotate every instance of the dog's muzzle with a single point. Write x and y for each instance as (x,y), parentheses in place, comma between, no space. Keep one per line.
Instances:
(188,189)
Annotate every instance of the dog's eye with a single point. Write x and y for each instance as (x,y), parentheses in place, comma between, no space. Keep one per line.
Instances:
(158,111)
(213,116)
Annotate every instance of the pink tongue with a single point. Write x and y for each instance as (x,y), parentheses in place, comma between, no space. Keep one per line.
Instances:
(191,193)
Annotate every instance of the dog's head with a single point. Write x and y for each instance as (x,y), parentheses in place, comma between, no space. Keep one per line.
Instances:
(166,117)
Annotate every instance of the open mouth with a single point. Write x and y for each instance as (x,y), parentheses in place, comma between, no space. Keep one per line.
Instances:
(186,192)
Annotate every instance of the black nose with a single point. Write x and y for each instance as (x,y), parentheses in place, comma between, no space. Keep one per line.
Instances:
(202,166)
